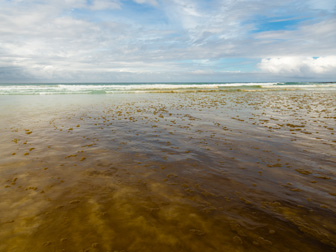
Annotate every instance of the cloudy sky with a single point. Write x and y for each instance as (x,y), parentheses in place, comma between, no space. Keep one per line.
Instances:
(167,40)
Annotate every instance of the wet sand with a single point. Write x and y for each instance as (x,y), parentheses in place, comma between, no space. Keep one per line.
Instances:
(212,171)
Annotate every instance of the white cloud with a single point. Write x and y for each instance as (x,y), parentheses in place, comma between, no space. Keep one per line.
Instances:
(151,2)
(202,72)
(299,66)
(69,38)
(104,4)
(327,5)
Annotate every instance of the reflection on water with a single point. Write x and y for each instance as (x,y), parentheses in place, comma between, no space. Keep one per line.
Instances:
(168,172)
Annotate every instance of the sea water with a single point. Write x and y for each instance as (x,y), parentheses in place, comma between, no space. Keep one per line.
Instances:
(175,167)
(112,88)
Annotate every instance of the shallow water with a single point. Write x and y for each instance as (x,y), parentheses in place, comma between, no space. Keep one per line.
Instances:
(232,171)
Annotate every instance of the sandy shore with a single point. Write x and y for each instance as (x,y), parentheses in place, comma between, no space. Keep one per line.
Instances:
(220,171)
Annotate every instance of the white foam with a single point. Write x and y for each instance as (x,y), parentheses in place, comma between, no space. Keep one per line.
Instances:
(44,89)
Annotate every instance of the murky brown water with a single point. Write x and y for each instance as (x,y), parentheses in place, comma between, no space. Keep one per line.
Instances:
(240,171)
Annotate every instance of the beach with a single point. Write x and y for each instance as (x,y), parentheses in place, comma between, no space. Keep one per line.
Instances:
(190,170)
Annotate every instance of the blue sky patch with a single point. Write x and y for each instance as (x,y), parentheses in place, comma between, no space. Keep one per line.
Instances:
(130,11)
(263,24)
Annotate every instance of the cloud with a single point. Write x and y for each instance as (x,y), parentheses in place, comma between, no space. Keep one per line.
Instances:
(151,2)
(299,66)
(202,72)
(327,5)
(306,40)
(75,39)
(104,4)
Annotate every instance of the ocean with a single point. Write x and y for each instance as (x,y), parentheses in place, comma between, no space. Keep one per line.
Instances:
(168,167)
(113,88)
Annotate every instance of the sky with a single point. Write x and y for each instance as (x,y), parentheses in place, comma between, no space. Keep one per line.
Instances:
(167,40)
